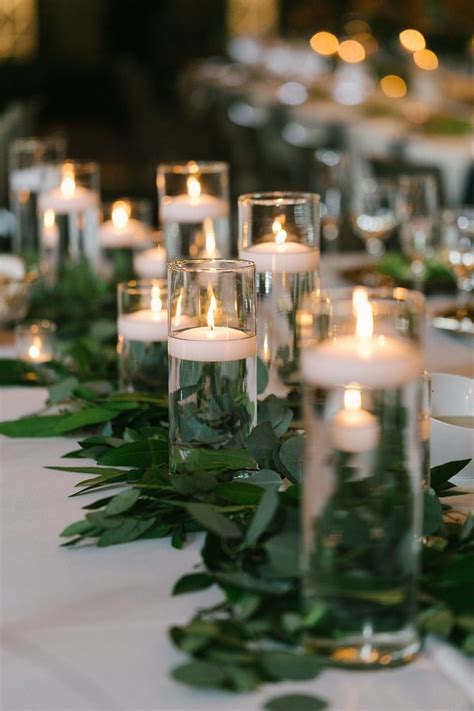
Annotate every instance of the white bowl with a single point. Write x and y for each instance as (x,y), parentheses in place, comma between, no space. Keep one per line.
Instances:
(452,395)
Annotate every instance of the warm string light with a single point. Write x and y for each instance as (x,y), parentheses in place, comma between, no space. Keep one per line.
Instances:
(412,40)
(324,43)
(393,86)
(351,51)
(426,59)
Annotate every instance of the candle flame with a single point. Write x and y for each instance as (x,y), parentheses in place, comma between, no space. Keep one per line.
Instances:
(34,351)
(212,308)
(363,313)
(278,231)
(193,187)
(49,218)
(120,214)
(266,350)
(156,303)
(352,397)
(68,185)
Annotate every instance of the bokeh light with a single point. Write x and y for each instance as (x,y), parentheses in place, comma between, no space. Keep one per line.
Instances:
(324,43)
(412,40)
(351,51)
(393,86)
(426,59)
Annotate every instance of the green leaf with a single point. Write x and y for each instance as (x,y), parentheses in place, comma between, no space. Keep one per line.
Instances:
(129,530)
(460,569)
(122,502)
(80,528)
(192,583)
(266,478)
(285,665)
(62,390)
(275,411)
(220,459)
(242,678)
(262,376)
(432,513)
(54,425)
(244,581)
(292,456)
(262,518)
(146,453)
(261,442)
(212,520)
(444,472)
(239,492)
(296,702)
(283,552)
(200,673)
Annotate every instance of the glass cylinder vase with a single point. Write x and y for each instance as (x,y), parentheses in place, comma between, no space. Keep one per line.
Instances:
(126,229)
(32,168)
(142,329)
(194,209)
(212,348)
(362,507)
(280,233)
(68,220)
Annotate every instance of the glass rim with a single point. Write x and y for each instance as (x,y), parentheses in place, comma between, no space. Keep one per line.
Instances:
(396,294)
(135,286)
(211,265)
(39,324)
(82,163)
(131,200)
(279,197)
(188,167)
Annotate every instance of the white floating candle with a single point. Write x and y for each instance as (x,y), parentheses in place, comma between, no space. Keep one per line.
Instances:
(12,268)
(212,343)
(33,179)
(121,230)
(370,360)
(146,325)
(68,197)
(353,429)
(150,263)
(194,206)
(277,255)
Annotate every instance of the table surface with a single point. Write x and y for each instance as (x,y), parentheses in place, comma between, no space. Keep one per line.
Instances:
(86,629)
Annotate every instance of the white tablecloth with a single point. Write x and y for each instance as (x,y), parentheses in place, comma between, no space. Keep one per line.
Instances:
(86,630)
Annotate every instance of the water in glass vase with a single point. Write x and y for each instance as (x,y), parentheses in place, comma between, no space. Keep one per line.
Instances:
(362,514)
(143,365)
(212,406)
(207,239)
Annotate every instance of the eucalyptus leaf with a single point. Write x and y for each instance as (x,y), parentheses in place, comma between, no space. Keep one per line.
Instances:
(432,513)
(444,472)
(262,376)
(262,518)
(62,390)
(200,673)
(282,551)
(127,531)
(296,702)
(292,455)
(192,583)
(122,502)
(261,442)
(144,453)
(212,520)
(286,665)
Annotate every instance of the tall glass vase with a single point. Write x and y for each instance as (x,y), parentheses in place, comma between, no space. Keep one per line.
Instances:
(363,478)
(212,349)
(194,209)
(280,233)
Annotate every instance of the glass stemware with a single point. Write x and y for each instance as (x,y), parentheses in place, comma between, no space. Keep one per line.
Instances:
(373,213)
(417,205)
(457,252)
(330,175)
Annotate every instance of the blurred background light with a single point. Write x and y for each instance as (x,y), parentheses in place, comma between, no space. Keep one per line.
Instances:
(412,40)
(393,86)
(324,43)
(426,59)
(351,51)
(292,93)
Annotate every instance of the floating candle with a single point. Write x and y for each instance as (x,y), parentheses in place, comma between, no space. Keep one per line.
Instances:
(150,263)
(194,206)
(377,361)
(276,254)
(354,429)
(68,197)
(212,343)
(122,230)
(147,325)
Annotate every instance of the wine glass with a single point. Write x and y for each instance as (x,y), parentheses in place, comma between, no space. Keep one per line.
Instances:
(373,213)
(417,205)
(457,252)
(330,174)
